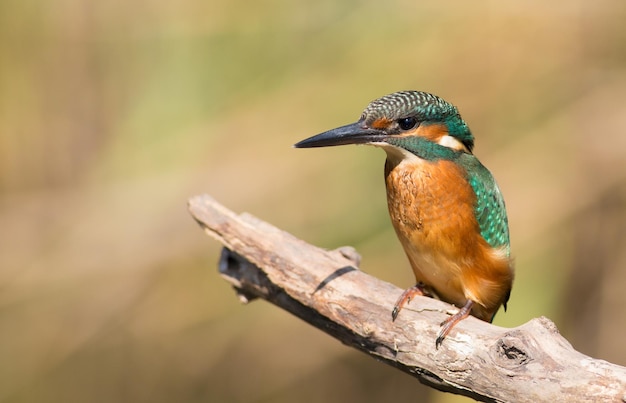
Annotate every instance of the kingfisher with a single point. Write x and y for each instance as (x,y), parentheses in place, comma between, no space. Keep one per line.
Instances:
(445,206)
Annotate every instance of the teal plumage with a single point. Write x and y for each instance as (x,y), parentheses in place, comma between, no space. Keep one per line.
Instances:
(490,210)
(426,150)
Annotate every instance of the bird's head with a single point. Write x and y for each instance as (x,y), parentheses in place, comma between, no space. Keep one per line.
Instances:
(418,122)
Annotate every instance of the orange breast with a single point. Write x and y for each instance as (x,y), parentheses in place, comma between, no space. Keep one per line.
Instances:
(431,205)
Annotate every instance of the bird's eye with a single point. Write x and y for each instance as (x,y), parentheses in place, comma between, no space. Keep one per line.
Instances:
(407,123)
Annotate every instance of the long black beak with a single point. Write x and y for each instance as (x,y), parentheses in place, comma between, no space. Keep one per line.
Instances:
(355,133)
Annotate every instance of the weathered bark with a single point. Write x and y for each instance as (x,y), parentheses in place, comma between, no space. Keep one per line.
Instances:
(530,363)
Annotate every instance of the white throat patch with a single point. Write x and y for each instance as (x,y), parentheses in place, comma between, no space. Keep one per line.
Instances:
(451,142)
(397,154)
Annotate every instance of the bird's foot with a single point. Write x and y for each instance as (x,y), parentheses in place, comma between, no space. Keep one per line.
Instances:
(406,297)
(449,323)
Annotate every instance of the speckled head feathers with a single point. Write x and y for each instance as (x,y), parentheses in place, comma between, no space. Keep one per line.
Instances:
(425,107)
(405,103)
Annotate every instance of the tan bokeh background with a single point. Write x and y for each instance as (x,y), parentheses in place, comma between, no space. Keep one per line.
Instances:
(113,113)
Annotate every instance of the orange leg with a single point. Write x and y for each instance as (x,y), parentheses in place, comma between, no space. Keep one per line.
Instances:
(449,323)
(406,297)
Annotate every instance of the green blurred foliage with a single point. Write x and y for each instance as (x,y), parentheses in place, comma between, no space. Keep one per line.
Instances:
(113,113)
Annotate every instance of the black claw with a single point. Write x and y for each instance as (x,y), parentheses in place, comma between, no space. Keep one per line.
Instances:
(439,341)
(394,313)
(440,337)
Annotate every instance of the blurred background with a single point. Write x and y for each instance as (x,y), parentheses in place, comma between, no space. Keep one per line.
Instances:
(113,113)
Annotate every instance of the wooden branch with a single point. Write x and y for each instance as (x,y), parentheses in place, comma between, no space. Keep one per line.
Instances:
(530,363)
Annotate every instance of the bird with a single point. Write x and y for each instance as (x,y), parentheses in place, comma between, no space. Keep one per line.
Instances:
(445,205)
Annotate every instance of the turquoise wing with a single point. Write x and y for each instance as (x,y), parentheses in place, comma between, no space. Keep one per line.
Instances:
(490,210)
